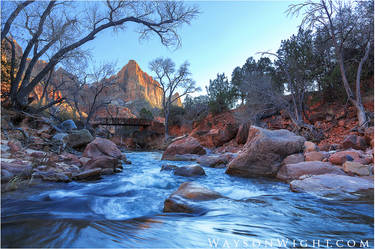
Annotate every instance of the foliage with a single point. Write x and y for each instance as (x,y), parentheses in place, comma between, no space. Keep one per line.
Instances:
(221,94)
(196,108)
(146,114)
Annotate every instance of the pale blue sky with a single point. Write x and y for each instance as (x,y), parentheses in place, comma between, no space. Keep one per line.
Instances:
(223,36)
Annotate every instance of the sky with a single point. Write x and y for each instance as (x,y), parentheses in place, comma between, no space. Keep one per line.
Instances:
(222,37)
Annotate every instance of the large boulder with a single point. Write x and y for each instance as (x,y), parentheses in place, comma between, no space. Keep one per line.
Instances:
(215,161)
(341,157)
(182,200)
(192,170)
(356,168)
(354,142)
(243,132)
(294,158)
(264,151)
(332,183)
(102,147)
(290,172)
(183,146)
(79,138)
(103,162)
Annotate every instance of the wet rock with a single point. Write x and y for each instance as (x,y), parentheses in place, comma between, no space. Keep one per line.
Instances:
(187,145)
(332,183)
(310,146)
(314,156)
(185,157)
(102,162)
(290,172)
(341,157)
(91,174)
(193,170)
(79,139)
(215,161)
(354,142)
(356,168)
(102,147)
(6,176)
(167,167)
(68,125)
(243,132)
(21,169)
(108,171)
(53,176)
(294,158)
(184,198)
(264,151)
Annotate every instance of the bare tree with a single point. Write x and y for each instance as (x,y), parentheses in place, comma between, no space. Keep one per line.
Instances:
(343,21)
(55,29)
(170,81)
(86,95)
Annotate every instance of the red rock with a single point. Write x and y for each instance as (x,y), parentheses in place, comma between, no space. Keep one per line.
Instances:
(314,156)
(295,171)
(193,170)
(294,158)
(102,147)
(15,146)
(341,157)
(243,132)
(310,146)
(264,151)
(187,145)
(369,136)
(354,142)
(101,162)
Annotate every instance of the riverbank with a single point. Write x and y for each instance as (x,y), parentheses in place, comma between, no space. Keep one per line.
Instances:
(126,210)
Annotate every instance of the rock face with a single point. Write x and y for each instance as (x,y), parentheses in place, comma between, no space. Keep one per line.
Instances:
(295,171)
(182,200)
(243,132)
(264,151)
(193,170)
(332,183)
(187,145)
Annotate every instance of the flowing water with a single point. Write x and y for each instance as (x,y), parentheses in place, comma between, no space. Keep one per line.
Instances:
(125,210)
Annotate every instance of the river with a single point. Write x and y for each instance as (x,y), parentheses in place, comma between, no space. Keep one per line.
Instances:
(125,210)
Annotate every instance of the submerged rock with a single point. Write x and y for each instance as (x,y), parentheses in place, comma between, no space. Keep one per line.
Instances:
(184,198)
(291,172)
(215,161)
(167,167)
(194,170)
(332,183)
(264,151)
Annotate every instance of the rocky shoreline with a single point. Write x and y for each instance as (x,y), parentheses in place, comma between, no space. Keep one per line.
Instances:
(35,150)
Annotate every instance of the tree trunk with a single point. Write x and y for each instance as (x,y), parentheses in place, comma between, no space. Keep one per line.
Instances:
(166,125)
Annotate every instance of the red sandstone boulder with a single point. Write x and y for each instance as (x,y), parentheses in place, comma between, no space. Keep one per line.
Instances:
(354,142)
(219,136)
(243,132)
(315,156)
(184,198)
(193,170)
(102,162)
(264,151)
(341,157)
(291,172)
(187,145)
(215,161)
(102,147)
(294,158)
